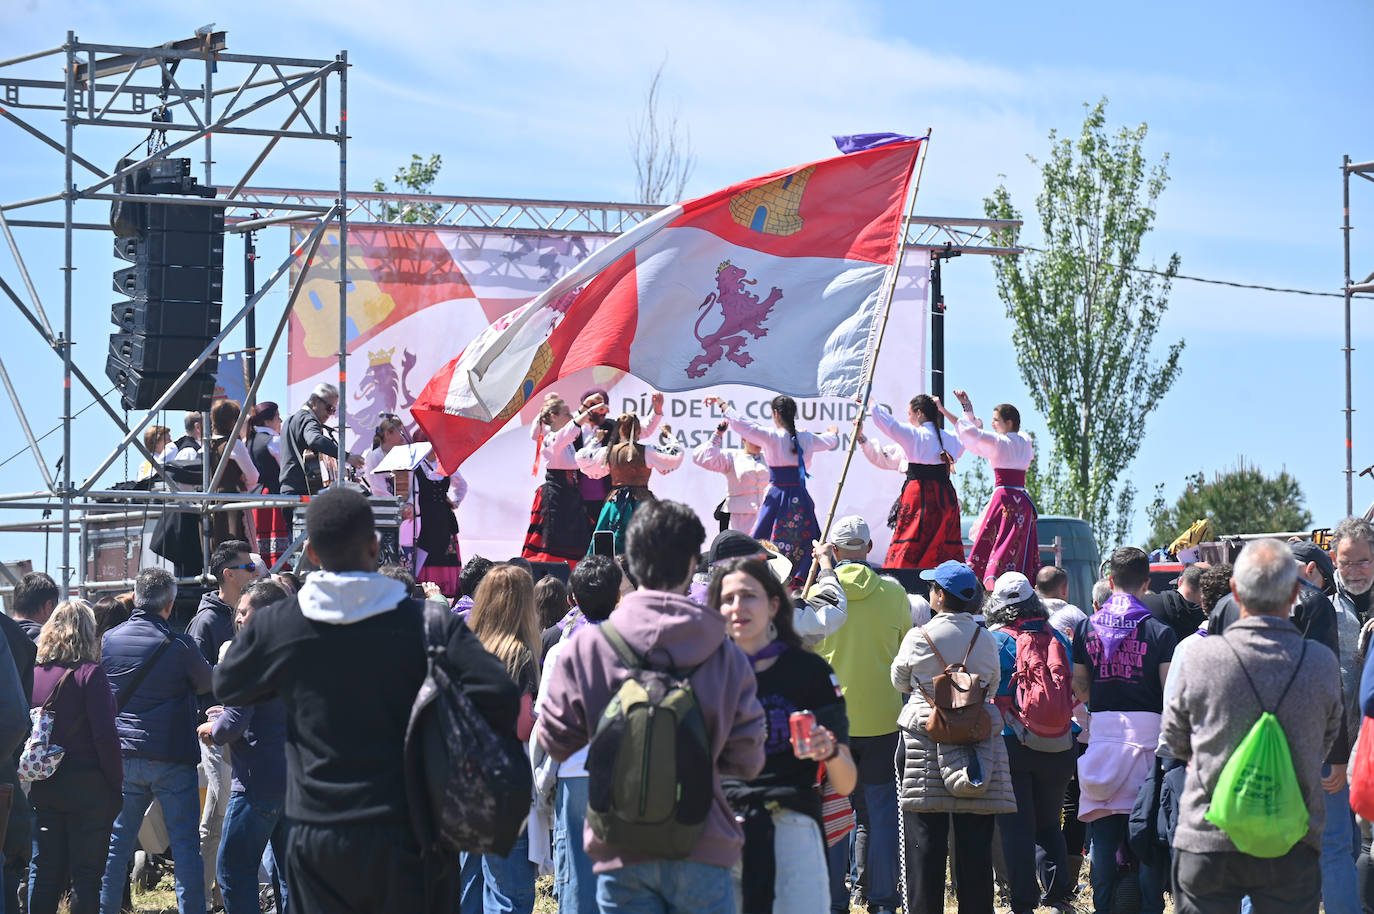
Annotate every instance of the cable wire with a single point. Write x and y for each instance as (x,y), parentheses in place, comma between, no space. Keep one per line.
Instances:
(1223,282)
(55,428)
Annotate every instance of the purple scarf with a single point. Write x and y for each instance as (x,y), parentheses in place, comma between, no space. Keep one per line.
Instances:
(1116,620)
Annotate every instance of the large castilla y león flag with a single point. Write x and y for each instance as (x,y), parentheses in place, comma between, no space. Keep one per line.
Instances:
(778,282)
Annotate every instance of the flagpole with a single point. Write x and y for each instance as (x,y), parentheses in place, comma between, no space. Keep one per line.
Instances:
(873,362)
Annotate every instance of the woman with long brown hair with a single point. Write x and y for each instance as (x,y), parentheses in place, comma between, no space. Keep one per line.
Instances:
(630,459)
(505,620)
(241,475)
(784,865)
(74,809)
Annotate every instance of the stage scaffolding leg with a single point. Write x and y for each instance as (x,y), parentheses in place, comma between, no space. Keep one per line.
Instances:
(1348,350)
(343,264)
(68,202)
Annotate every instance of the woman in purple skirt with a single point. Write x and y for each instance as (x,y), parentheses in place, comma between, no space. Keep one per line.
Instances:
(1005,538)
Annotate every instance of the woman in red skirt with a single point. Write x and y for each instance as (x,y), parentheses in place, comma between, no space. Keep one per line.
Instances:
(926,519)
(263,435)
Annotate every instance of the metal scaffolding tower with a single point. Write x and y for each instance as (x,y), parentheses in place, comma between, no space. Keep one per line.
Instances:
(1364,170)
(100,88)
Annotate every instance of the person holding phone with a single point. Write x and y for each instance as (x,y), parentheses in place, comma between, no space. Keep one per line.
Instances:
(784,862)
(629,457)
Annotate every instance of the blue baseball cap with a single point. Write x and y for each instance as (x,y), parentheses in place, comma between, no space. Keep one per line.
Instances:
(954,577)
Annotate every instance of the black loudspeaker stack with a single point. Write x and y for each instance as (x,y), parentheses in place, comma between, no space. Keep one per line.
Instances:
(173,288)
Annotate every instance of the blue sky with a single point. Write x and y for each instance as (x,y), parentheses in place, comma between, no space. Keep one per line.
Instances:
(1255,103)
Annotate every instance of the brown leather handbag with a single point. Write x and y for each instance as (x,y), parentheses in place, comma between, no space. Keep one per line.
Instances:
(957,711)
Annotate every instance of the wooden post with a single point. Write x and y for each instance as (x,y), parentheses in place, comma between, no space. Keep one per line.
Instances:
(873,362)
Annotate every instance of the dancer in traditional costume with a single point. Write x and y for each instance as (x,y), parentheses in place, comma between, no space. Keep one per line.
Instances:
(437,497)
(558,530)
(1005,538)
(746,479)
(264,446)
(397,544)
(629,459)
(925,531)
(596,404)
(787,518)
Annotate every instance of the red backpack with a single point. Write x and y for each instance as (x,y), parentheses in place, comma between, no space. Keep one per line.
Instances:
(1040,707)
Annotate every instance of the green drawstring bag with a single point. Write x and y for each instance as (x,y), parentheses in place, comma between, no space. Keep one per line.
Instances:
(1257,800)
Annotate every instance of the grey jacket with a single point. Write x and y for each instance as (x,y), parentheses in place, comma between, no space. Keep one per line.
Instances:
(941,777)
(1213,708)
(1348,624)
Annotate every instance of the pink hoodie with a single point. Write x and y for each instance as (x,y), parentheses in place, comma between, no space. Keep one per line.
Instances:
(678,630)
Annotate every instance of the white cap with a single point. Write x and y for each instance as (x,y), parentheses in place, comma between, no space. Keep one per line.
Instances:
(850,533)
(1012,587)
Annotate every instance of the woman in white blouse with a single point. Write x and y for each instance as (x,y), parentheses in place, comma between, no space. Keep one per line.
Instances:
(629,459)
(558,530)
(787,518)
(1005,538)
(746,478)
(926,525)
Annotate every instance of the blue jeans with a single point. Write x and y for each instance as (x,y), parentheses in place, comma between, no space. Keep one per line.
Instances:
(1105,837)
(875,812)
(1340,894)
(837,859)
(174,784)
(666,887)
(248,828)
(574,881)
(508,882)
(470,878)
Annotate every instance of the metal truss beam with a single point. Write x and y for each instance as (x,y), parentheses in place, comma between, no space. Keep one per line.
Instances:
(370,209)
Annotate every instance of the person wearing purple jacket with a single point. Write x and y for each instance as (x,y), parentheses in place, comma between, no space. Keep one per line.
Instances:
(74,809)
(659,621)
(253,816)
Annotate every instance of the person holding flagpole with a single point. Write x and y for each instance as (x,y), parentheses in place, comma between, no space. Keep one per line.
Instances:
(926,530)
(629,458)
(788,516)
(1005,538)
(558,530)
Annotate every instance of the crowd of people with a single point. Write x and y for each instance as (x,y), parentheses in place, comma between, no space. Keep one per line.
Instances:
(765,722)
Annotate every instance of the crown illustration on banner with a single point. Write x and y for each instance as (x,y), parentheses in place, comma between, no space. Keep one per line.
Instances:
(380,357)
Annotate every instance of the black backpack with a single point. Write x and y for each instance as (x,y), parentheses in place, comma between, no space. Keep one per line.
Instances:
(468,786)
(651,774)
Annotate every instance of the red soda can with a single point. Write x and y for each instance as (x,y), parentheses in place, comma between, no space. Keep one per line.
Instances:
(801,724)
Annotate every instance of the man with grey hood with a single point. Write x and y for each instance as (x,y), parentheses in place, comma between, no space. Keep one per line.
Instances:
(347,655)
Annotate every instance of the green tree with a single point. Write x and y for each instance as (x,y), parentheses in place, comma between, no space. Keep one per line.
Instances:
(1085,317)
(1241,499)
(415,178)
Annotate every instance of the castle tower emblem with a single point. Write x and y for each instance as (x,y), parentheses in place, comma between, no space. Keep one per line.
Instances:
(773,208)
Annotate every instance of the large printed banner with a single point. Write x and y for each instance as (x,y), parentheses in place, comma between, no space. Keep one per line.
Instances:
(417,296)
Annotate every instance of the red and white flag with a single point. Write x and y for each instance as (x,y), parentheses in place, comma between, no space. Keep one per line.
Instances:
(778,282)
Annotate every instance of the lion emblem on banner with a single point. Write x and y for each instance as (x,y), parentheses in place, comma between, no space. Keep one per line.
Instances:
(743,316)
(384,391)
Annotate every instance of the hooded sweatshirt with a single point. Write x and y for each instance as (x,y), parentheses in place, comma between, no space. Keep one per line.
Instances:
(862,651)
(667,628)
(346,656)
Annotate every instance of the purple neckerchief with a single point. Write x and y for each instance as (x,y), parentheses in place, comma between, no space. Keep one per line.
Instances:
(580,622)
(462,607)
(1116,620)
(773,649)
(697,590)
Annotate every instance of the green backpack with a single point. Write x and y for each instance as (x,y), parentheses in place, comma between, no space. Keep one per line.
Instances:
(1257,800)
(650,771)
